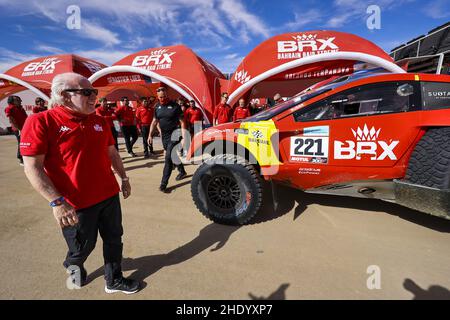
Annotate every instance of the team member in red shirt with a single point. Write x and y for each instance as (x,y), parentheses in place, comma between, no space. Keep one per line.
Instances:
(40,105)
(68,153)
(222,112)
(107,112)
(241,111)
(193,115)
(144,117)
(127,117)
(17,116)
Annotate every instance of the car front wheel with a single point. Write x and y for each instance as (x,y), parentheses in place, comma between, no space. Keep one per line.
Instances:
(227,189)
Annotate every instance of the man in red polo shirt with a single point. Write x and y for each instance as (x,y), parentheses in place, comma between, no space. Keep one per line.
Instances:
(107,112)
(222,112)
(17,116)
(39,105)
(193,115)
(68,153)
(144,117)
(241,111)
(127,117)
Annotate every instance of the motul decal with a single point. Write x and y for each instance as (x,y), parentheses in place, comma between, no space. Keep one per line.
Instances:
(367,144)
(156,60)
(46,66)
(305,45)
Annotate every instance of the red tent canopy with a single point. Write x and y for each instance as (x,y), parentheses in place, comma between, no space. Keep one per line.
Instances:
(176,66)
(291,62)
(37,74)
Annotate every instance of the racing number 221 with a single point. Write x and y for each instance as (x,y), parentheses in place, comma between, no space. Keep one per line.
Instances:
(303,147)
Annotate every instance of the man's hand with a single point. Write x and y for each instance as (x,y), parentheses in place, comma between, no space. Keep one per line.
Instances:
(65,215)
(126,188)
(150,139)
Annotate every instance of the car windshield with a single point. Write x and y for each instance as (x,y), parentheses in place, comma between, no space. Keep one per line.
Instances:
(279,108)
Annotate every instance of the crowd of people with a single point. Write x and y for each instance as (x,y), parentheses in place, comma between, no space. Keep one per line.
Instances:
(135,121)
(58,147)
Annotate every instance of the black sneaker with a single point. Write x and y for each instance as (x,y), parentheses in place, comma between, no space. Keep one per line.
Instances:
(78,276)
(127,286)
(181,176)
(134,155)
(163,188)
(146,156)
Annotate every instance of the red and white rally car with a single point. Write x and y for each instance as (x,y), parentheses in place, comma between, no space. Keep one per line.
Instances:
(381,136)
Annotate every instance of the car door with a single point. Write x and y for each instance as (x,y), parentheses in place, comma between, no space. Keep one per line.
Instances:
(358,134)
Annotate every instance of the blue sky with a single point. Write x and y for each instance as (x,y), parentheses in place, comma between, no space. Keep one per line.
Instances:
(221,31)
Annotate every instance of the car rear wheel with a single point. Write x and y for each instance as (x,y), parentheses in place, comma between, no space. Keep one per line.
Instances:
(429,164)
(227,190)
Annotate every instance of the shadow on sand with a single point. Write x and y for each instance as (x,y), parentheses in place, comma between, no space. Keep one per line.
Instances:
(279,294)
(289,198)
(434,292)
(143,267)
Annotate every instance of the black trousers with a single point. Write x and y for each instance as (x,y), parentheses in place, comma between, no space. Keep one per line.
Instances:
(115,134)
(169,145)
(16,133)
(145,130)
(106,218)
(130,135)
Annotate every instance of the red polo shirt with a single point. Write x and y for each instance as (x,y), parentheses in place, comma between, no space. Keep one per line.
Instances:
(193,114)
(18,114)
(241,113)
(144,115)
(222,113)
(107,113)
(76,154)
(126,115)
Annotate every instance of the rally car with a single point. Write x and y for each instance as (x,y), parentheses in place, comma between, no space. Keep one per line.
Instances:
(379,136)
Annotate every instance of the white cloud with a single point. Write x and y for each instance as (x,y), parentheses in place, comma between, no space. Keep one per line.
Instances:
(238,15)
(438,9)
(107,57)
(304,18)
(9,59)
(92,30)
(49,49)
(174,20)
(229,63)
(346,11)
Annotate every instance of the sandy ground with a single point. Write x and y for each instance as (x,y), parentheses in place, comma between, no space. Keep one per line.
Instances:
(313,247)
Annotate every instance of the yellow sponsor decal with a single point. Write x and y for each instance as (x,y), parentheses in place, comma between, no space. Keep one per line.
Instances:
(416,77)
(257,140)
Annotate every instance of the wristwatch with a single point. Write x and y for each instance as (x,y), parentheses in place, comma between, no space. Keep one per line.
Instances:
(57,202)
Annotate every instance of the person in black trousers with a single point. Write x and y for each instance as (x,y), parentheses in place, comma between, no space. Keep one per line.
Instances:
(169,116)
(127,117)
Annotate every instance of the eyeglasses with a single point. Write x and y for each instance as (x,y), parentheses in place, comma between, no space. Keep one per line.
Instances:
(160,89)
(85,92)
